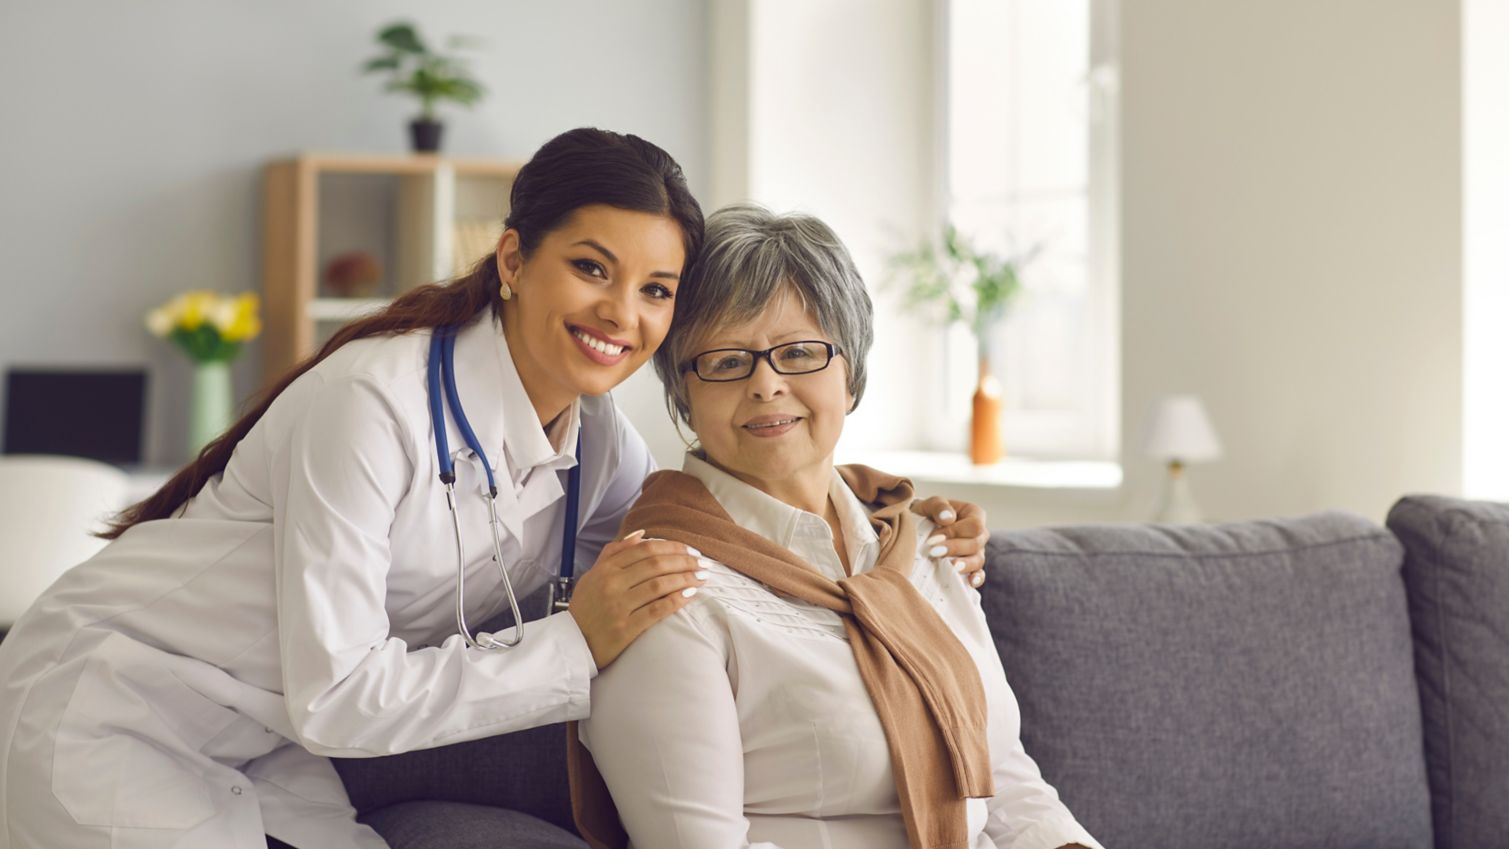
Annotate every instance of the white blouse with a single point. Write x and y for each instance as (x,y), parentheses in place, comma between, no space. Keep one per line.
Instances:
(742,720)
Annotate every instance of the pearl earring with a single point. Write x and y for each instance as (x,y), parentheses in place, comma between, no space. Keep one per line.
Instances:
(505,290)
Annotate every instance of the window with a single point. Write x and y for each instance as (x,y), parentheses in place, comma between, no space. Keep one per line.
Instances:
(1029,153)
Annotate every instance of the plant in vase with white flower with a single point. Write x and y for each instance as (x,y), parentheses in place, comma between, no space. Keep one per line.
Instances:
(211,328)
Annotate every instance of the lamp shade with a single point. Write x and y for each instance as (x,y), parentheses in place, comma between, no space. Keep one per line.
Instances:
(1180,430)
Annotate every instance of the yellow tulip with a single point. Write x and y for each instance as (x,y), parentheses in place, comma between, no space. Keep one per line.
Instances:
(245,325)
(196,307)
(222,314)
(160,322)
(233,317)
(174,309)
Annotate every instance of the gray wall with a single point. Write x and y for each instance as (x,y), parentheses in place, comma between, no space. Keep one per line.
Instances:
(134,133)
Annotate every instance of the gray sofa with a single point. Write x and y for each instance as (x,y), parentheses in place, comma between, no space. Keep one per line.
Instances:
(1287,684)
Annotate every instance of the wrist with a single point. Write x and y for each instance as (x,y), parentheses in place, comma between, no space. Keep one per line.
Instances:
(592,654)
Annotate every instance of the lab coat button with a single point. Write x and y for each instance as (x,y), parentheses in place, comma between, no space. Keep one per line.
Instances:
(236,791)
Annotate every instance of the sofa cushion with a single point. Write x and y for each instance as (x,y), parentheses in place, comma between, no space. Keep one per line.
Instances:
(1457,570)
(525,771)
(1239,685)
(456,825)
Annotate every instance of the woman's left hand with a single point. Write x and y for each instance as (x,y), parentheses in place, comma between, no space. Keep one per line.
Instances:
(962,533)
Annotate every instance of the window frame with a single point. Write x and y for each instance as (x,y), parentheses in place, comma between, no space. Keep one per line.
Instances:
(1091,430)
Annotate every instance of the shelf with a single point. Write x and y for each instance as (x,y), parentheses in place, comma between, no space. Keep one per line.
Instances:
(344,309)
(403,163)
(420,218)
(951,468)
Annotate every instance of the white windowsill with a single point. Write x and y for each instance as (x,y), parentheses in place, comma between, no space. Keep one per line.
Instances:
(942,467)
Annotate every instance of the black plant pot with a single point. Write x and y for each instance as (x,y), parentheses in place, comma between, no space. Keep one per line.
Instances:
(425,135)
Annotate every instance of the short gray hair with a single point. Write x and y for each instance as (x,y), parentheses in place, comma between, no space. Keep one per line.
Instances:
(749,257)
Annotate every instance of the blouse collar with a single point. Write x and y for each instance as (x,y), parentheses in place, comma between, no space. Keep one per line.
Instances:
(783,524)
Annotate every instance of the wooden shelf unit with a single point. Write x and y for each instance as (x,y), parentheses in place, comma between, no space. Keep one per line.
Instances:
(405,208)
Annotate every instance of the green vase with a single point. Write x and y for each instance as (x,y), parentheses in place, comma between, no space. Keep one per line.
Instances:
(209,404)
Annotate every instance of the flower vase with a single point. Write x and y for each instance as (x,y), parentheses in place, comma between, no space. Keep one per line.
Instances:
(209,404)
(985,427)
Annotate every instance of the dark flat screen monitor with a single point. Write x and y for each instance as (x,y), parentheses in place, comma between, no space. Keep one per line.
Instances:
(95,413)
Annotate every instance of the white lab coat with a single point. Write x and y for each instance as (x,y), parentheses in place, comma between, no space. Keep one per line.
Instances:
(183,687)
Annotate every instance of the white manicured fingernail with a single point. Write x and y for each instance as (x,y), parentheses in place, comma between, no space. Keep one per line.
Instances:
(958,566)
(937,551)
(935,539)
(700,574)
(693,552)
(978,579)
(634,536)
(946,516)
(688,592)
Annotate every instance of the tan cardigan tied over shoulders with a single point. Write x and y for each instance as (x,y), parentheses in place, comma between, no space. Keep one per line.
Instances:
(924,685)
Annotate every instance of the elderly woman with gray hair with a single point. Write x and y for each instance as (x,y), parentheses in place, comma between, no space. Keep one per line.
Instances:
(835,685)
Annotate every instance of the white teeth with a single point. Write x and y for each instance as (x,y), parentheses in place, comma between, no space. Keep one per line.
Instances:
(597,344)
(774,424)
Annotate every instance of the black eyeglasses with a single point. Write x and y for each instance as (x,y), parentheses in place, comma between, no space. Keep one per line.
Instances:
(725,364)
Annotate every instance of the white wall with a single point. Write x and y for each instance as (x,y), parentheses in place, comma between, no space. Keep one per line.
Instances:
(1292,217)
(827,108)
(1291,228)
(1291,238)
(134,134)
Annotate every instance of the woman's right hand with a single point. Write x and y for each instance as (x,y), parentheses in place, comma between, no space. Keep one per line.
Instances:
(634,584)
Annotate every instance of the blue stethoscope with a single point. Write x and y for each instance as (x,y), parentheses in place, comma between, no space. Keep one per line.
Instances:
(442,365)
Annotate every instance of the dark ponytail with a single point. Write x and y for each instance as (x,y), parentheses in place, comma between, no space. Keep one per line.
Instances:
(577,168)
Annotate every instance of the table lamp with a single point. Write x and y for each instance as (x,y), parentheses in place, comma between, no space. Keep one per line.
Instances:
(1180,433)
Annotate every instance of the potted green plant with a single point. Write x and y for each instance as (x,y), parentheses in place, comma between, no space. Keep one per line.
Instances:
(211,328)
(955,282)
(429,76)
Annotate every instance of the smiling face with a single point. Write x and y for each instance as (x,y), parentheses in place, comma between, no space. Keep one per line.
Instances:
(591,302)
(773,431)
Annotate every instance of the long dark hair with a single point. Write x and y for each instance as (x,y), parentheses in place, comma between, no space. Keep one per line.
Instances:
(577,168)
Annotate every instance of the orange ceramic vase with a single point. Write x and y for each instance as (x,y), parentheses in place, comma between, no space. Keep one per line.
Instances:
(985,428)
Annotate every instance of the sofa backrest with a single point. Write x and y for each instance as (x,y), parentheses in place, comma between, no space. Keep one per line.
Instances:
(1457,572)
(1239,685)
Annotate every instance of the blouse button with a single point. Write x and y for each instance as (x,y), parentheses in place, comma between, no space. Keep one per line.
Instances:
(236,791)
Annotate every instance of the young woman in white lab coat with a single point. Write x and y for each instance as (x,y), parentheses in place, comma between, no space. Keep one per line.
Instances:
(291,594)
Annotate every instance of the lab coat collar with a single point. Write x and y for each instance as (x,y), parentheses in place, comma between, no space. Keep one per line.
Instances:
(499,408)
(774,519)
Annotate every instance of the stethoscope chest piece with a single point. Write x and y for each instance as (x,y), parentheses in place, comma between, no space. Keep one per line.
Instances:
(560,594)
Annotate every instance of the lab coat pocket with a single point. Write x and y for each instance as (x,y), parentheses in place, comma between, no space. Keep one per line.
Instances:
(127,750)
